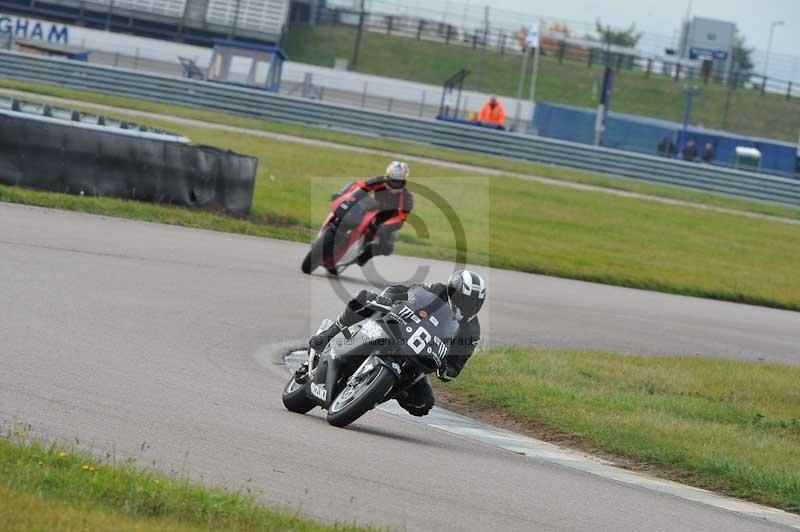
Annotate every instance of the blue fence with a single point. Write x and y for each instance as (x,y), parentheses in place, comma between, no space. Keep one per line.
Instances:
(643,135)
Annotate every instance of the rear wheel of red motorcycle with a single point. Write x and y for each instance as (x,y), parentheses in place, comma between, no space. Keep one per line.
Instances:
(359,398)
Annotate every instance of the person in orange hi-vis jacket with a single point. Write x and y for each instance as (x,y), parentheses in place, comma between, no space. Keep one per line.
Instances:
(492,113)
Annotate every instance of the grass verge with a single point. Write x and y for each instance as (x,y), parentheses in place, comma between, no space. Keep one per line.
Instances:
(136,210)
(510,223)
(406,148)
(49,487)
(728,426)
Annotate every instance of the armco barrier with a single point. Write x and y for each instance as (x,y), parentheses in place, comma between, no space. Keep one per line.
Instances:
(278,107)
(80,157)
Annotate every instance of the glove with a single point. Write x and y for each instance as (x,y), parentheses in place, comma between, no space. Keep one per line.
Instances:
(441,372)
(383,300)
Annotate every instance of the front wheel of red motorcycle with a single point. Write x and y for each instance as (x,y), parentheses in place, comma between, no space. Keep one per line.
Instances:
(313,257)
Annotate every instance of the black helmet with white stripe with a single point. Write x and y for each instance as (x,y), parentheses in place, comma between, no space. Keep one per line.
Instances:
(466,292)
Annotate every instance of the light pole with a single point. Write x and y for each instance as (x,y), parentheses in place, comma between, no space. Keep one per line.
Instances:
(357,45)
(769,43)
(690,93)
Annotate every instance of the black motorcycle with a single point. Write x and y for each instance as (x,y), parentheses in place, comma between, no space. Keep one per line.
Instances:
(375,360)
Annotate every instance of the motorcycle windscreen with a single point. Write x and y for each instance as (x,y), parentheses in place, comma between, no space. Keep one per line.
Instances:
(423,326)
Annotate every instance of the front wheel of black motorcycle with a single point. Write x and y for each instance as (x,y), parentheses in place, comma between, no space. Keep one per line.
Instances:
(357,398)
(295,398)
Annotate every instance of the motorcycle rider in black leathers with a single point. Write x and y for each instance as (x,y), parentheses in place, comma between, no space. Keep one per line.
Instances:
(465,292)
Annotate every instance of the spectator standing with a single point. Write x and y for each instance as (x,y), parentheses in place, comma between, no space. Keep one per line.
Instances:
(708,153)
(492,114)
(666,148)
(689,151)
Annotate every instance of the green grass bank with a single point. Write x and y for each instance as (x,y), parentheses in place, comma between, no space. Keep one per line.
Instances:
(396,148)
(572,83)
(733,427)
(47,487)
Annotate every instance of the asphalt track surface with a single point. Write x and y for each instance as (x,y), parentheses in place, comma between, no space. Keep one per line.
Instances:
(145,339)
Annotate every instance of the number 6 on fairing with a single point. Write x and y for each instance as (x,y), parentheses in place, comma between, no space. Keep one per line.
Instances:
(416,342)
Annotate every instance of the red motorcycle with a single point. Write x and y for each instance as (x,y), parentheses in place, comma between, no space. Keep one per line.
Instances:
(345,233)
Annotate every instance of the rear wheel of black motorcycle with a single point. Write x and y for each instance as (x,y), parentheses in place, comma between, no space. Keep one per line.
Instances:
(356,400)
(295,398)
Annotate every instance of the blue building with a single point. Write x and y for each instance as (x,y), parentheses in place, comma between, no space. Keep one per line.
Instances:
(644,135)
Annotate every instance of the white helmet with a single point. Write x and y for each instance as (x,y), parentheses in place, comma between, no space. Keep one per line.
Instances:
(466,292)
(397,173)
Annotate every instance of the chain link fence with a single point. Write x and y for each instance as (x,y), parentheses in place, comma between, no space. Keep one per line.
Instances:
(429,47)
(558,40)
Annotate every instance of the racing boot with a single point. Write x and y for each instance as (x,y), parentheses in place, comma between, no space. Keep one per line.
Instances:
(347,318)
(365,255)
(301,374)
(319,341)
(419,399)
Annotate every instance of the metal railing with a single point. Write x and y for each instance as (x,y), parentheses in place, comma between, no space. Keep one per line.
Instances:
(278,107)
(300,79)
(56,115)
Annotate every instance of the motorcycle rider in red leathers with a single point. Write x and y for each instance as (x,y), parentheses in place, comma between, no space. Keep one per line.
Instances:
(394,199)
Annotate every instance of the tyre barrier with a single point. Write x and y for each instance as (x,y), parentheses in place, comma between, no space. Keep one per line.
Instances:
(70,152)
